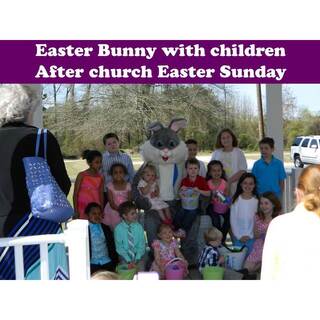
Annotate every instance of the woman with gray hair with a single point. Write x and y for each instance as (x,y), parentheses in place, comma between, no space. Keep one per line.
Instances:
(17,140)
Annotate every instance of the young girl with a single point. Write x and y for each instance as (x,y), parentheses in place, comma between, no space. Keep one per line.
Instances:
(243,209)
(269,208)
(103,255)
(218,209)
(89,184)
(148,187)
(232,158)
(119,191)
(166,249)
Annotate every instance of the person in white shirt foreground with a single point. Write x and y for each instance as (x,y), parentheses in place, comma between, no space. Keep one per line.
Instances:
(292,245)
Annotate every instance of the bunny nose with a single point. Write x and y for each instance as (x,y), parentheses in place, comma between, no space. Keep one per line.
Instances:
(166,150)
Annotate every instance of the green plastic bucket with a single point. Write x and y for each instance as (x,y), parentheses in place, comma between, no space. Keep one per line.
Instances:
(124,272)
(212,273)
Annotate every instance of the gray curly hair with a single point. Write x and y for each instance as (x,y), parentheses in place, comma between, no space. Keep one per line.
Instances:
(18,102)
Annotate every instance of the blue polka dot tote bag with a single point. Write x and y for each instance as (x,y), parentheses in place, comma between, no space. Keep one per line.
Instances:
(47,200)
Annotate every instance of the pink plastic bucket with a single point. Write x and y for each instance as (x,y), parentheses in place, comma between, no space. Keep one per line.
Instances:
(174,271)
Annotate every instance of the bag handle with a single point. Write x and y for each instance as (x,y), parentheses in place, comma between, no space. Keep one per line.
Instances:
(231,250)
(39,133)
(173,261)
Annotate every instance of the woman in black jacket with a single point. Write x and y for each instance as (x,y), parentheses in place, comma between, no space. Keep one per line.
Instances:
(17,140)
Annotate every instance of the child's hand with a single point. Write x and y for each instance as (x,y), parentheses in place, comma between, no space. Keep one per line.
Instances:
(221,261)
(153,194)
(244,239)
(183,188)
(131,265)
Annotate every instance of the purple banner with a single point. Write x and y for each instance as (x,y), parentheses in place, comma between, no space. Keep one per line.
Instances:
(160,61)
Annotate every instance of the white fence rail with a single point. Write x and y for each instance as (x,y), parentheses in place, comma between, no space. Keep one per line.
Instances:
(75,238)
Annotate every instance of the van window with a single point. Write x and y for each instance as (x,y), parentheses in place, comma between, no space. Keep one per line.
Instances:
(305,143)
(313,143)
(296,142)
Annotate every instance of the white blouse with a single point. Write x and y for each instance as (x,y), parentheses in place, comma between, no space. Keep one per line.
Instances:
(242,216)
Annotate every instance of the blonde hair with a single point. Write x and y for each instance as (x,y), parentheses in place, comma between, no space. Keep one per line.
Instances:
(104,275)
(150,167)
(309,184)
(212,234)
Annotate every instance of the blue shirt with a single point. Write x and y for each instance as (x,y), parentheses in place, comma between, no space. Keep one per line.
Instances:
(99,249)
(122,244)
(269,175)
(108,159)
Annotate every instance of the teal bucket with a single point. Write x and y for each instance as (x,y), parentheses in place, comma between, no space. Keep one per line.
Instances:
(212,273)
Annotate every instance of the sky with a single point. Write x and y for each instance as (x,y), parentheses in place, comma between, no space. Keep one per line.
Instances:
(308,95)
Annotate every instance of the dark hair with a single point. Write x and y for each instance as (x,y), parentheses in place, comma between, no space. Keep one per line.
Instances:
(108,136)
(239,188)
(125,207)
(118,164)
(90,155)
(191,141)
(274,200)
(90,206)
(267,140)
(192,161)
(234,138)
(215,163)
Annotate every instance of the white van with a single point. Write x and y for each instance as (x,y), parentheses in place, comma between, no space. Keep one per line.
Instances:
(305,150)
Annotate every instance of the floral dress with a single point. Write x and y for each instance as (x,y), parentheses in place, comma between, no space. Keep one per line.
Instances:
(167,253)
(112,217)
(261,228)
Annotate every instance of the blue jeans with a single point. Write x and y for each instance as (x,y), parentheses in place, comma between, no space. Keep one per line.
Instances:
(184,219)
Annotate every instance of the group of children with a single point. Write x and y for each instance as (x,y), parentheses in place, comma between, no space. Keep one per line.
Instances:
(241,204)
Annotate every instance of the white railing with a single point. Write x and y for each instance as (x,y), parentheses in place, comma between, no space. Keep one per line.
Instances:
(74,237)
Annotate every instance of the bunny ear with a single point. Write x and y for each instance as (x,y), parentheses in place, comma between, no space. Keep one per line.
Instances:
(154,126)
(177,124)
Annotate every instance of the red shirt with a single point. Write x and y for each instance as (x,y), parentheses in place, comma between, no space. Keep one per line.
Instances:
(200,182)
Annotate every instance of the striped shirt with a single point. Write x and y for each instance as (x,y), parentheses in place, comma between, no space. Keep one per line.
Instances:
(108,159)
(208,257)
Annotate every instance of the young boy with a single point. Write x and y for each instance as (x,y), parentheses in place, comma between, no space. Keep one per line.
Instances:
(210,255)
(103,255)
(114,155)
(190,189)
(269,171)
(192,146)
(129,237)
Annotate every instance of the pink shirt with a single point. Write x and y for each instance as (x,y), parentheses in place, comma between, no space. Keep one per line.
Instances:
(218,206)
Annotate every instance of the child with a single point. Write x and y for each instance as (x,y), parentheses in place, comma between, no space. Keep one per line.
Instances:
(243,209)
(89,184)
(210,255)
(269,208)
(268,170)
(148,187)
(218,209)
(119,191)
(191,188)
(166,249)
(103,255)
(114,155)
(232,158)
(192,146)
(129,237)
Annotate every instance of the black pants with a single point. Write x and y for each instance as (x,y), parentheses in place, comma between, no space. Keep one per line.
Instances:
(216,221)
(185,218)
(97,267)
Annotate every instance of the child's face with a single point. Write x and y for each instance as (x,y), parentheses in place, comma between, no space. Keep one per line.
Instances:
(118,174)
(226,139)
(131,216)
(192,170)
(216,171)
(166,234)
(96,163)
(95,215)
(215,243)
(192,150)
(248,185)
(112,145)
(266,205)
(149,175)
(266,150)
